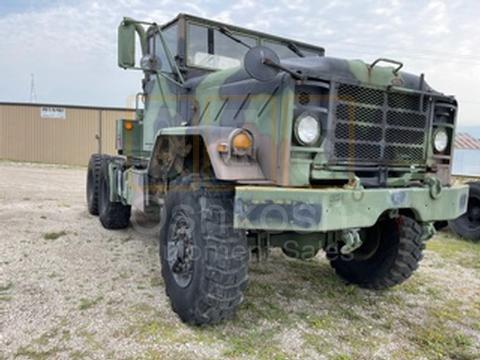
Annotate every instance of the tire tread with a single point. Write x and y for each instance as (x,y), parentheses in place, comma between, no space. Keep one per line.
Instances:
(225,276)
(95,166)
(404,261)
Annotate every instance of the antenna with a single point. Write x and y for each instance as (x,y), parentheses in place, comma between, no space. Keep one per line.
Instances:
(33,93)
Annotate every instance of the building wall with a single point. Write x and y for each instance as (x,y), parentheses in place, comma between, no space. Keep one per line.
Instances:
(26,135)
(466,162)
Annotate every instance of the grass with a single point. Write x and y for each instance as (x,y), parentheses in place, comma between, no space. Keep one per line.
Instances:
(4,292)
(302,309)
(253,346)
(156,281)
(462,252)
(86,304)
(6,287)
(438,341)
(54,235)
(38,354)
(40,348)
(91,341)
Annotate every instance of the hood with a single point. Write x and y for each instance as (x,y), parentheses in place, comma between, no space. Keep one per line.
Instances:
(355,71)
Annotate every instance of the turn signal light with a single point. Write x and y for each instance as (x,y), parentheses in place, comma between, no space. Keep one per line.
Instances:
(242,142)
(222,148)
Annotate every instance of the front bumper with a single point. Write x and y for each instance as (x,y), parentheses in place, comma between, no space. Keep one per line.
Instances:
(291,209)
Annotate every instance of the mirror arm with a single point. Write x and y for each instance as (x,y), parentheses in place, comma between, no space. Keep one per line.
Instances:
(140,31)
(269,62)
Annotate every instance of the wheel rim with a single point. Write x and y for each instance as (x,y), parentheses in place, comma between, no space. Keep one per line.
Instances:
(371,238)
(180,247)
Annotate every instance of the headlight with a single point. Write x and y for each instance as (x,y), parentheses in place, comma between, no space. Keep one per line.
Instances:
(440,140)
(307,129)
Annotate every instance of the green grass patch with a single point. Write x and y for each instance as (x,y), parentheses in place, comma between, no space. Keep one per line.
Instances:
(440,342)
(6,287)
(463,252)
(440,334)
(54,235)
(156,281)
(38,354)
(147,325)
(256,344)
(80,355)
(39,349)
(89,303)
(156,330)
(91,341)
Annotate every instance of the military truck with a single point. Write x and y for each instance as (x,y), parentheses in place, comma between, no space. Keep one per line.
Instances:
(248,141)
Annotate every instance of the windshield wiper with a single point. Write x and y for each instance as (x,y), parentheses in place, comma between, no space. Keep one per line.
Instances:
(227,33)
(295,49)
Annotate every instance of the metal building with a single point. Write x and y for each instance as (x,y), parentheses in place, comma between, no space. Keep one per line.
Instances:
(466,156)
(57,134)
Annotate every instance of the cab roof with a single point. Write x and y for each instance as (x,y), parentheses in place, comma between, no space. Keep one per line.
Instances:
(238,29)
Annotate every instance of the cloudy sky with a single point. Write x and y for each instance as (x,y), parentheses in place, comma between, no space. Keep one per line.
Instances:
(70,46)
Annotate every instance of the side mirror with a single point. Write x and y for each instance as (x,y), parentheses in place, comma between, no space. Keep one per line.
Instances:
(126,45)
(261,63)
(151,63)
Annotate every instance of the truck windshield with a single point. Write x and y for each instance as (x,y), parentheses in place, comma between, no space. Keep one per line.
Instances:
(209,48)
(155,45)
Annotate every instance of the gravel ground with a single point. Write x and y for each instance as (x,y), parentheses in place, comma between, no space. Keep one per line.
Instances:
(70,289)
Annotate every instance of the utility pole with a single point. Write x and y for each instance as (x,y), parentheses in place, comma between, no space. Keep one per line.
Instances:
(33,93)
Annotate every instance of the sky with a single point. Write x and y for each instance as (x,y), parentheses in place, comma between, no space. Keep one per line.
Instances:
(70,46)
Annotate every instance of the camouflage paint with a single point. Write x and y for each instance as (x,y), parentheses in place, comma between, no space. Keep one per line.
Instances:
(211,105)
(287,209)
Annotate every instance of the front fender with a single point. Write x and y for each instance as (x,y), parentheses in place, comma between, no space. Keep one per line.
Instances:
(245,169)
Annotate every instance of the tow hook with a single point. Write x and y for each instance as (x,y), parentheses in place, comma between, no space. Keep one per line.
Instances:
(351,238)
(428,230)
(435,187)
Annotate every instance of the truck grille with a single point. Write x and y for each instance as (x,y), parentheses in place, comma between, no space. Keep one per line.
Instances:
(374,126)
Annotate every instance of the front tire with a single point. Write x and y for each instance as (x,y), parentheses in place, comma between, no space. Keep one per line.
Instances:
(204,259)
(389,261)
(93,181)
(113,215)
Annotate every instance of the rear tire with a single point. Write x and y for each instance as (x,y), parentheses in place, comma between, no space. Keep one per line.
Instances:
(93,181)
(204,259)
(113,215)
(467,226)
(391,261)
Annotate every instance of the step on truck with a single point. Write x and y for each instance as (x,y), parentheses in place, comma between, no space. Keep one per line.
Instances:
(247,141)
